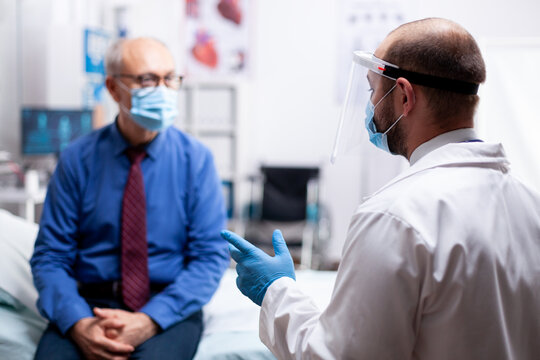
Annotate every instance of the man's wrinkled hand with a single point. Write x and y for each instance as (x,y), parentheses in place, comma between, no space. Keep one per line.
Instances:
(138,327)
(88,334)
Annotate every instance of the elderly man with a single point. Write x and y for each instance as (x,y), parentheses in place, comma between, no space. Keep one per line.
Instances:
(443,261)
(129,249)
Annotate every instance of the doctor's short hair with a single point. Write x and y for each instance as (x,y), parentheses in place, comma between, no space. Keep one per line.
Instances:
(442,48)
(114,55)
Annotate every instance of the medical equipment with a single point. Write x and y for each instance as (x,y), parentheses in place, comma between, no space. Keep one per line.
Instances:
(48,131)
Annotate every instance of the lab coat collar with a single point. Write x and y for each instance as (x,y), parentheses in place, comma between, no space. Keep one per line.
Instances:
(471,154)
(120,144)
(455,136)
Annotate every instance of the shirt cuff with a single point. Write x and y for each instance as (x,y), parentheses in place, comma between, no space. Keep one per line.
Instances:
(74,312)
(160,311)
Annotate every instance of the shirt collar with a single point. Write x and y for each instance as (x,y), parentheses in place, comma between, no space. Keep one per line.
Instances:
(120,144)
(154,148)
(118,141)
(454,136)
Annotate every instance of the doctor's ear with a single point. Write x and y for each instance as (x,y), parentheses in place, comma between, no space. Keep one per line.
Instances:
(408,96)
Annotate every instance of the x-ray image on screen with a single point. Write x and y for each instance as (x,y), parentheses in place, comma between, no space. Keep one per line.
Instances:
(48,131)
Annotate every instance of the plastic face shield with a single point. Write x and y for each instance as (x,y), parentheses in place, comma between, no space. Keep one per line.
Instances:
(364,65)
(351,127)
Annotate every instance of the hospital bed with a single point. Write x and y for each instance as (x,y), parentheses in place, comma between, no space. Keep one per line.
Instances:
(231,320)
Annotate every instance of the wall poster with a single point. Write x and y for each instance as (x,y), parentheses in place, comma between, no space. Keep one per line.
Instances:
(217,37)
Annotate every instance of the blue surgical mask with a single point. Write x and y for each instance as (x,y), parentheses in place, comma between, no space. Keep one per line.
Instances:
(153,108)
(378,139)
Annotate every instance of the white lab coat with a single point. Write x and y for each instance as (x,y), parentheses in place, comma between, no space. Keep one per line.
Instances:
(441,263)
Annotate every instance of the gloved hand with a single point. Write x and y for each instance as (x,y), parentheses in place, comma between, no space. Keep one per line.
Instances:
(257,270)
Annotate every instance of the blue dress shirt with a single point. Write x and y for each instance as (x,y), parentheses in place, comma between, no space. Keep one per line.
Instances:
(79,236)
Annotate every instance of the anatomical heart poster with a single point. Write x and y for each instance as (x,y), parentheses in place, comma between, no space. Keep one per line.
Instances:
(217,38)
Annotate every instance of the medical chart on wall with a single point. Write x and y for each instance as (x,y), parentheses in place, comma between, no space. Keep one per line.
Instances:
(217,34)
(96,42)
(363,24)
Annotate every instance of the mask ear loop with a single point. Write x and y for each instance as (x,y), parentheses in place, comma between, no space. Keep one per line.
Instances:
(378,102)
(385,95)
(122,85)
(125,110)
(122,107)
(394,124)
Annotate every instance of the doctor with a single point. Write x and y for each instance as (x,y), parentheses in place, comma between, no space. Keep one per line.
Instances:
(443,261)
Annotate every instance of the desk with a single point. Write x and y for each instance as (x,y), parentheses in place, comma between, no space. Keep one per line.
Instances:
(26,201)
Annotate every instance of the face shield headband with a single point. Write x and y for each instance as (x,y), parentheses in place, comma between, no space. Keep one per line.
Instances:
(394,72)
(349,128)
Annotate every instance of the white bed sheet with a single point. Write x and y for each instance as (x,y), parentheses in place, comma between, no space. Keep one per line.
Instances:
(232,320)
(20,329)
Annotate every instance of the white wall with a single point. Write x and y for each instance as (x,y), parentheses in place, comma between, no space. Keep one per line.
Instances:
(52,72)
(9,126)
(162,19)
(294,103)
(485,18)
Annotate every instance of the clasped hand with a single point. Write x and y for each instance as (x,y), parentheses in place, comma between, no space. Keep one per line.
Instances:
(112,333)
(257,270)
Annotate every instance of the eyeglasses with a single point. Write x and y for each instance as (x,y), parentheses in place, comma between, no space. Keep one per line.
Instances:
(172,81)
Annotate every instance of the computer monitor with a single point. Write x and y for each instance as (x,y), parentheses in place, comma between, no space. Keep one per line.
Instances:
(49,131)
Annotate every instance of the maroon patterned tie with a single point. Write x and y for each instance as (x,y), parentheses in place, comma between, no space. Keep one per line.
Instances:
(135,281)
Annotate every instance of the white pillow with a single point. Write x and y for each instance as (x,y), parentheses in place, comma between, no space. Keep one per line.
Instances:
(17,237)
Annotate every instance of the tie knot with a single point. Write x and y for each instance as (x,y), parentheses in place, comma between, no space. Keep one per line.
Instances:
(135,154)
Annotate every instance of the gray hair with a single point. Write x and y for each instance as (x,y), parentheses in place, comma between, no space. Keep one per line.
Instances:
(114,58)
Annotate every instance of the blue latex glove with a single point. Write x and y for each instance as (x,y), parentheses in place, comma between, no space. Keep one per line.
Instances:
(257,270)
